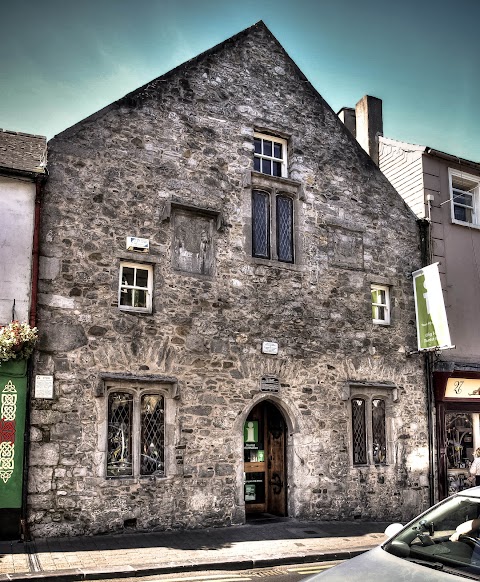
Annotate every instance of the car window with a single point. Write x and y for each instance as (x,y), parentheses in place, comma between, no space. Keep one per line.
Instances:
(446,537)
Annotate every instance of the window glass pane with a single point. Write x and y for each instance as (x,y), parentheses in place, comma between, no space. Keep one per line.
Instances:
(267,147)
(379,296)
(460,197)
(126,297)
(378,432)
(460,213)
(260,224)
(277,150)
(142,278)
(140,298)
(128,276)
(276,169)
(152,420)
(256,164)
(267,167)
(378,312)
(119,445)
(285,229)
(358,432)
(258,145)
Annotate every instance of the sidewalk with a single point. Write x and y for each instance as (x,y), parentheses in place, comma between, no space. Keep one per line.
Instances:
(260,543)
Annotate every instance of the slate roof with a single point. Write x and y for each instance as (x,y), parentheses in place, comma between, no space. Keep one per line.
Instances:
(23,152)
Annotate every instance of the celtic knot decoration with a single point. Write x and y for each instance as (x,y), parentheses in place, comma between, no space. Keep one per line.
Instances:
(8,410)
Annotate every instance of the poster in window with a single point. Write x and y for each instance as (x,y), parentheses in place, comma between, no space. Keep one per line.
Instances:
(250,494)
(250,432)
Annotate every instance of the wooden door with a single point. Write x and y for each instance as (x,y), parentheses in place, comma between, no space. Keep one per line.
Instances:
(264,460)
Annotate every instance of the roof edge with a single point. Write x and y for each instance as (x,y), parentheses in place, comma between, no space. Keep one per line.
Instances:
(132,94)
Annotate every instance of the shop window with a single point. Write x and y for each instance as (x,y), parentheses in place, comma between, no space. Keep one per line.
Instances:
(136,434)
(462,432)
(135,287)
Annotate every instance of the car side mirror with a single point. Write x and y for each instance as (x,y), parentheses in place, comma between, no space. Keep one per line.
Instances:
(393,529)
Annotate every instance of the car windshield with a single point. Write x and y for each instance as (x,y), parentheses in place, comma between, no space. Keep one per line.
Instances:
(445,538)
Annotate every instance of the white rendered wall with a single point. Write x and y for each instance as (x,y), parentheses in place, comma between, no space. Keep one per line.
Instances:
(17,205)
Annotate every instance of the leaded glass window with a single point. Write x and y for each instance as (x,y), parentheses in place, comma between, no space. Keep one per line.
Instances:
(120,424)
(378,432)
(136,434)
(152,424)
(285,229)
(261,224)
(359,432)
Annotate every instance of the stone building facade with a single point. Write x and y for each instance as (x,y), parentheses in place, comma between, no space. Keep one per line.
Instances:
(210,247)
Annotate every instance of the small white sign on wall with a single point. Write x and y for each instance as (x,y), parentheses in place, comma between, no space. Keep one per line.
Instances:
(43,386)
(269,348)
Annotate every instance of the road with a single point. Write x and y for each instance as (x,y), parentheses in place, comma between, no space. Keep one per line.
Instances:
(287,573)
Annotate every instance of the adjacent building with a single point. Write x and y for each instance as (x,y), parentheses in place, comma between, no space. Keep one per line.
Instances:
(22,172)
(225,310)
(443,190)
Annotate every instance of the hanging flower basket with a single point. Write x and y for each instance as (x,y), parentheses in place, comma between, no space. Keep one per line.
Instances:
(17,341)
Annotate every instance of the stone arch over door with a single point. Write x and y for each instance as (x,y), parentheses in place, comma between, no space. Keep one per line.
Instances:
(272,468)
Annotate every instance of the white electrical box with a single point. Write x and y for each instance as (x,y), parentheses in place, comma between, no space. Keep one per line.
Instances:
(139,245)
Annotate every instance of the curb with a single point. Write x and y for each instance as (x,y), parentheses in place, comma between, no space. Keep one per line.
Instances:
(78,574)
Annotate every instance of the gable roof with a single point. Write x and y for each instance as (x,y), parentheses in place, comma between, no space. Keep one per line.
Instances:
(141,93)
(22,152)
(410,147)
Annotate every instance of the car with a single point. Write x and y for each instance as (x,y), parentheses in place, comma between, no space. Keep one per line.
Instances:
(439,545)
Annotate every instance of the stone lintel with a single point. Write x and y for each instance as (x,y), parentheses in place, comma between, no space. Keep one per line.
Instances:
(144,379)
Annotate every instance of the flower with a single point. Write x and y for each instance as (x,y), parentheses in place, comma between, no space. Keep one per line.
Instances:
(17,341)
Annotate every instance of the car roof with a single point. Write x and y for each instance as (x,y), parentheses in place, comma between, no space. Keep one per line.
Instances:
(472,492)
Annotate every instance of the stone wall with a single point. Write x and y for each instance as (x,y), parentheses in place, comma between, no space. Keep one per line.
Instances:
(184,144)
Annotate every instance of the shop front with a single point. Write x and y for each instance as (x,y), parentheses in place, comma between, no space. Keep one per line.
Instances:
(457,396)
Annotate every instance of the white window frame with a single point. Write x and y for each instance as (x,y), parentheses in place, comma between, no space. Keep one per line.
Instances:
(386,305)
(148,289)
(475,192)
(272,158)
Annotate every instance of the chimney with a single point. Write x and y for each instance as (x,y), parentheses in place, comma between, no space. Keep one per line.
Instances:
(369,124)
(347,116)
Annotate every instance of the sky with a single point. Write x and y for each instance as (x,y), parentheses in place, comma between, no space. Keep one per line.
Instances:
(62,60)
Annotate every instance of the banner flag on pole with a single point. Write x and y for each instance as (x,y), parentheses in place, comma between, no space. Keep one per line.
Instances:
(432,324)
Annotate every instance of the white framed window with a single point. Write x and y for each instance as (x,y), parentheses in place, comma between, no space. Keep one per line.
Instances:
(464,197)
(270,155)
(380,304)
(135,287)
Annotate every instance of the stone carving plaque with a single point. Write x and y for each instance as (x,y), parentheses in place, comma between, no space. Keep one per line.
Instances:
(269,384)
(193,250)
(345,248)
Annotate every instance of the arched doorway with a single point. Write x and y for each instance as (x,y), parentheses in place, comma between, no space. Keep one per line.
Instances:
(264,456)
